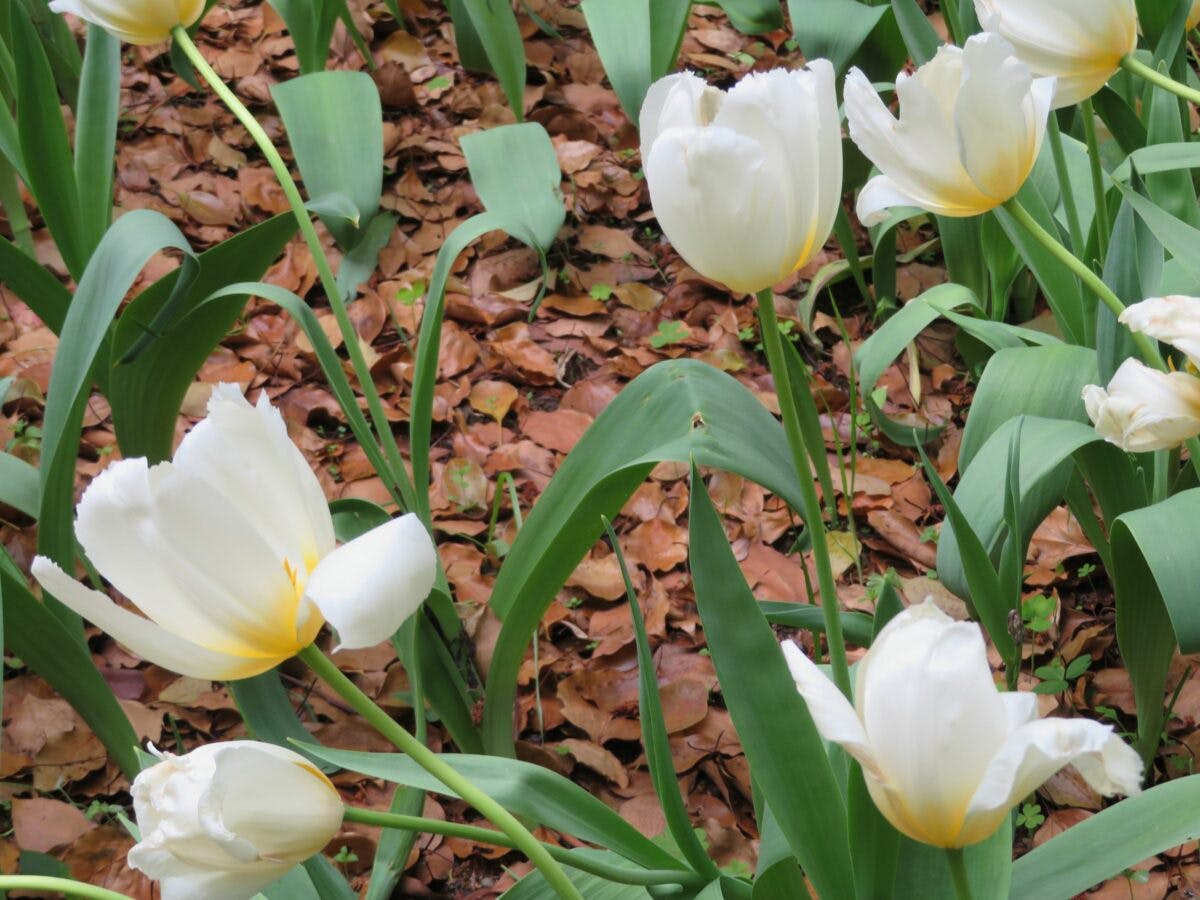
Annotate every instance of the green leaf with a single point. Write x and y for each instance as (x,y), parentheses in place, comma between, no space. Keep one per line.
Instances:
(498,34)
(310,23)
(524,789)
(33,283)
(534,886)
(43,137)
(856,627)
(1110,842)
(677,410)
(638,41)
(515,173)
(58,654)
(146,393)
(335,159)
(96,132)
(919,36)
(833,29)
(752,16)
(922,870)
(268,712)
(771,718)
(19,485)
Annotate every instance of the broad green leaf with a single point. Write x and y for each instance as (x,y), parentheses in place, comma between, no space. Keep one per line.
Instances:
(43,137)
(496,29)
(310,23)
(1110,842)
(833,29)
(19,486)
(335,125)
(534,886)
(146,392)
(96,132)
(678,410)
(125,248)
(1167,157)
(856,627)
(525,193)
(268,712)
(922,870)
(920,38)
(772,720)
(58,654)
(1133,269)
(1179,238)
(1171,190)
(524,789)
(752,16)
(638,41)
(33,283)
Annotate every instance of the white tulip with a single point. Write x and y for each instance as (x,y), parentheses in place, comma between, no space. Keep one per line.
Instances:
(1174,319)
(945,754)
(134,21)
(228,819)
(228,550)
(971,124)
(745,185)
(1080,42)
(1144,409)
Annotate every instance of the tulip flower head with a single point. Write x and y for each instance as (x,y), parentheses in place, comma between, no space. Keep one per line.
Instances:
(228,819)
(1193,18)
(745,184)
(945,754)
(134,21)
(1079,42)
(229,551)
(971,124)
(1143,409)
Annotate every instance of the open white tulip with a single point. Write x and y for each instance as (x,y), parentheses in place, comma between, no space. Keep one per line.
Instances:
(229,551)
(745,184)
(971,124)
(1144,409)
(228,819)
(945,754)
(134,21)
(1080,42)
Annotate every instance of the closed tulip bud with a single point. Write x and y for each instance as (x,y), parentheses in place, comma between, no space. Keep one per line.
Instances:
(1193,18)
(1079,42)
(229,552)
(945,754)
(1174,319)
(228,819)
(1144,409)
(745,184)
(971,124)
(134,21)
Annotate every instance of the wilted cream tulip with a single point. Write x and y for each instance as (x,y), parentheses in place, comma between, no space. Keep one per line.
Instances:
(945,754)
(971,124)
(744,184)
(229,551)
(1079,42)
(228,819)
(134,21)
(1174,319)
(1144,409)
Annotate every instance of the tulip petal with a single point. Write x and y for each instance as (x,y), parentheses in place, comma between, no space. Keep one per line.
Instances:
(925,692)
(244,454)
(1174,319)
(716,196)
(143,637)
(190,561)
(367,588)
(1035,751)
(1144,409)
(879,197)
(831,712)
(134,21)
(680,100)
(995,99)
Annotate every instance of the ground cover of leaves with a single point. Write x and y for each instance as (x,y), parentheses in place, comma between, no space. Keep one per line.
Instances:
(513,397)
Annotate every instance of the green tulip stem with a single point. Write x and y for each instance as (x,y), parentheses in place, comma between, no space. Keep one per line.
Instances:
(1103,226)
(773,344)
(958,873)
(1131,63)
(1091,280)
(454,781)
(1054,136)
(615,873)
(337,301)
(63,886)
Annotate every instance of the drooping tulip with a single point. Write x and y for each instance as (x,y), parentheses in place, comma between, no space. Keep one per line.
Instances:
(1079,42)
(745,184)
(945,754)
(228,819)
(134,21)
(229,551)
(1174,319)
(971,124)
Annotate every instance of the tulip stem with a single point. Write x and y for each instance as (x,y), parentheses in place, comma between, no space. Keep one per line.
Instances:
(66,886)
(608,871)
(1132,64)
(337,302)
(1090,279)
(1103,226)
(1054,136)
(773,344)
(958,872)
(457,783)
